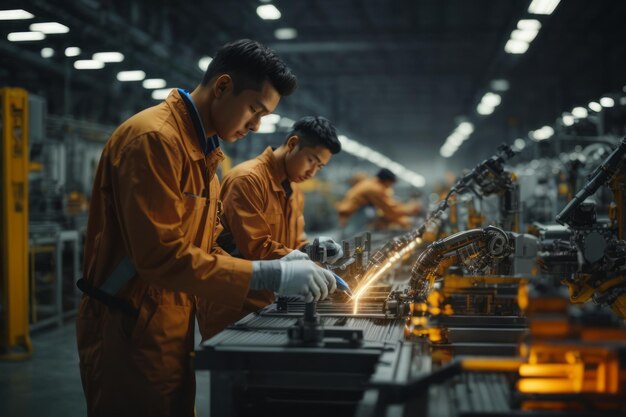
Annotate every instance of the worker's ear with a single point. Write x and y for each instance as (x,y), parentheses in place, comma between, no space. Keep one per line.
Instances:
(292,142)
(223,84)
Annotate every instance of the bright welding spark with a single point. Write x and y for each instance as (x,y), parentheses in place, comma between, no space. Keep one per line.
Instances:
(373,276)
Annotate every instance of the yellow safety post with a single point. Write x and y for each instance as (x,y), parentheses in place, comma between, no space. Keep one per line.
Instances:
(14,331)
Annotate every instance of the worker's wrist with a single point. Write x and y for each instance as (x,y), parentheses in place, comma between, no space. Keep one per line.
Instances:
(265,275)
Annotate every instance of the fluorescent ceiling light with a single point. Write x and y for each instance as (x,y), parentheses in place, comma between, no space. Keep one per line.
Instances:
(491,99)
(47,52)
(203,63)
(270,118)
(579,112)
(25,36)
(49,27)
(607,102)
(286,33)
(568,119)
(622,101)
(134,75)
(108,56)
(500,85)
(15,14)
(524,35)
(72,51)
(268,12)
(88,64)
(544,133)
(519,144)
(152,83)
(529,24)
(543,6)
(161,94)
(595,106)
(483,109)
(446,153)
(465,128)
(514,46)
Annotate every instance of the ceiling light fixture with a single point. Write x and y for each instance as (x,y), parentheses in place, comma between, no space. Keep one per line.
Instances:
(529,24)
(607,102)
(580,112)
(203,63)
(595,106)
(544,7)
(133,75)
(72,51)
(268,12)
(88,64)
(108,56)
(25,36)
(161,94)
(49,27)
(47,52)
(514,46)
(152,83)
(15,14)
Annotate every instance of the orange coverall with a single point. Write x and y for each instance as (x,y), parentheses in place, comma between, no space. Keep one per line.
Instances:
(261,223)
(154,200)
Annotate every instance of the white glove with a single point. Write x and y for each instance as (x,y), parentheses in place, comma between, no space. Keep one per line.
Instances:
(295,255)
(328,242)
(302,277)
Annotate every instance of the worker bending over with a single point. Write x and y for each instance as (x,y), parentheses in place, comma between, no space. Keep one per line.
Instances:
(151,232)
(367,196)
(263,217)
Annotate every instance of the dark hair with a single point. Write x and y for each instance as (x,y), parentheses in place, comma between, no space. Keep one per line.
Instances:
(316,131)
(249,64)
(386,175)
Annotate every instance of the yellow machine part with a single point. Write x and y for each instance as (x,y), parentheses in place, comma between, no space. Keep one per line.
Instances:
(14,331)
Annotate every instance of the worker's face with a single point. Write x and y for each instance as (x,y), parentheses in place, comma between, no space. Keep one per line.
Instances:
(234,115)
(303,163)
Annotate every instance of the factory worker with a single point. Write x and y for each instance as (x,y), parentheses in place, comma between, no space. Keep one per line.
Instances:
(150,237)
(368,196)
(263,216)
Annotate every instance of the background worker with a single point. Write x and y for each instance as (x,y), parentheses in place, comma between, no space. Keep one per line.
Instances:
(263,217)
(359,206)
(151,230)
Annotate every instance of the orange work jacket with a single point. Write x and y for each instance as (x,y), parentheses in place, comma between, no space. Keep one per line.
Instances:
(154,201)
(260,223)
(372,192)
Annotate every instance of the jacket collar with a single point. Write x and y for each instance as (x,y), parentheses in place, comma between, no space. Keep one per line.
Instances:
(186,125)
(276,169)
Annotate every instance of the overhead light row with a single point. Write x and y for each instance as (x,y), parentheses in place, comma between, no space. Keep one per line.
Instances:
(456,139)
(38,31)
(361,151)
(520,39)
(569,119)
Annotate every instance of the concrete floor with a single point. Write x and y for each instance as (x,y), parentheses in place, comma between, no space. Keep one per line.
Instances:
(49,383)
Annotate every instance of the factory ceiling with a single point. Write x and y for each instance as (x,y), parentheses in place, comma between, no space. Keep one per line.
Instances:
(397,75)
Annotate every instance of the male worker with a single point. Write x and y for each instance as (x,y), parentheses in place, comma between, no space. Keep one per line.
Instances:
(151,230)
(264,217)
(359,205)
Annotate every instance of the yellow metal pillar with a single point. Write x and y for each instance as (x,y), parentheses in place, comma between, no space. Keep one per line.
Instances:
(14,331)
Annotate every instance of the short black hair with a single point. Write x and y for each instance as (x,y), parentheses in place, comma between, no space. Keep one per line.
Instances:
(316,131)
(386,175)
(249,64)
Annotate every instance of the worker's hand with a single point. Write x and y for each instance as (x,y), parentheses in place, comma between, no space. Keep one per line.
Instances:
(329,243)
(302,277)
(295,255)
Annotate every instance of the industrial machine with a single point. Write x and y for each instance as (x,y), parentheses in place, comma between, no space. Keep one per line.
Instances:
(474,323)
